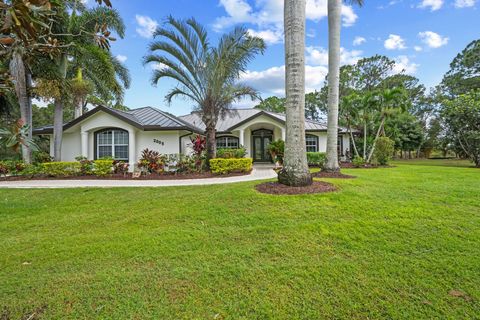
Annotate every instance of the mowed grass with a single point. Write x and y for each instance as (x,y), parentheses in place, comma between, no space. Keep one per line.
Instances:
(391,244)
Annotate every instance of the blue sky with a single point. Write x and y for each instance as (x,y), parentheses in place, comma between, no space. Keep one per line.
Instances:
(423,36)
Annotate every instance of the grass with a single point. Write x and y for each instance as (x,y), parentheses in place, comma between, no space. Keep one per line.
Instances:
(390,244)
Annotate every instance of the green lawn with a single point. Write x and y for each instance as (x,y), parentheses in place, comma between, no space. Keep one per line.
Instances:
(390,244)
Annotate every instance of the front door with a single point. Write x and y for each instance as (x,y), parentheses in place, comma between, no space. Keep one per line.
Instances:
(261,140)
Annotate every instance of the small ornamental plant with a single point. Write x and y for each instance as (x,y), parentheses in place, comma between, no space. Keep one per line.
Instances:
(199,144)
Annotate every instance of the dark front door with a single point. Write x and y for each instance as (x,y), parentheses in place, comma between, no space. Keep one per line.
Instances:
(261,140)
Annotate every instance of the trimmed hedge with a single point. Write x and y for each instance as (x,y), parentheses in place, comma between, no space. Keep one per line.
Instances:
(316,158)
(61,169)
(231,153)
(224,166)
(102,167)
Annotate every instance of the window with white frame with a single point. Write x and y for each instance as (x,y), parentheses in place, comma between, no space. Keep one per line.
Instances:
(311,142)
(227,143)
(112,143)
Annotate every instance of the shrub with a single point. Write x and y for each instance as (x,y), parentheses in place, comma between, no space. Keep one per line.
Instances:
(31,170)
(4,169)
(120,167)
(384,150)
(277,150)
(86,166)
(231,153)
(224,166)
(316,158)
(152,161)
(358,162)
(41,157)
(60,169)
(102,167)
(13,167)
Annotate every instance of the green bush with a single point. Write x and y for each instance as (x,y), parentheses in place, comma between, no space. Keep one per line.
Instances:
(316,158)
(102,168)
(60,169)
(384,150)
(13,167)
(231,153)
(358,162)
(224,166)
(41,157)
(277,150)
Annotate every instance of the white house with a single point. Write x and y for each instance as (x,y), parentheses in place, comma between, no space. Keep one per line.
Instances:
(124,134)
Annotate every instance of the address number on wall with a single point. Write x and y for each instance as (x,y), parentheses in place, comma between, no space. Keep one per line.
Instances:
(159,142)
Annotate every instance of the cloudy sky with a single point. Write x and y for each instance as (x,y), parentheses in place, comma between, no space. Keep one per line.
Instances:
(423,36)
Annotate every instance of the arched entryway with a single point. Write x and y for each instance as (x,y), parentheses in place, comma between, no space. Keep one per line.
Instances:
(261,138)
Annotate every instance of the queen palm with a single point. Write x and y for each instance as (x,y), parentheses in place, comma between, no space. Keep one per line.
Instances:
(295,170)
(334,27)
(206,75)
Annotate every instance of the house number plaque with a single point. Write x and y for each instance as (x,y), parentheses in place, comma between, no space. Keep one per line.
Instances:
(159,142)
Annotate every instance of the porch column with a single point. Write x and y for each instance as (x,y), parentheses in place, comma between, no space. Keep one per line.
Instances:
(84,143)
(132,159)
(242,137)
(283,134)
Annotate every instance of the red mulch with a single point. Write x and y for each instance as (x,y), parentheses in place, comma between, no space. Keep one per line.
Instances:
(278,188)
(335,175)
(153,176)
(349,165)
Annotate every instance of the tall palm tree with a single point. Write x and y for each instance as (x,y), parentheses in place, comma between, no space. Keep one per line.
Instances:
(295,170)
(206,75)
(79,27)
(334,27)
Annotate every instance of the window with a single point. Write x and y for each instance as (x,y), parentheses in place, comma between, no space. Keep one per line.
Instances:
(112,143)
(227,143)
(312,143)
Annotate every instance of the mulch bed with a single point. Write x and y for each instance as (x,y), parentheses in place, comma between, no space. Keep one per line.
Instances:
(179,176)
(335,175)
(277,188)
(349,165)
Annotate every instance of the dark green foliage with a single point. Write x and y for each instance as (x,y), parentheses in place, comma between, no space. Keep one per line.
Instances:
(231,153)
(316,159)
(102,168)
(384,150)
(358,162)
(225,166)
(277,150)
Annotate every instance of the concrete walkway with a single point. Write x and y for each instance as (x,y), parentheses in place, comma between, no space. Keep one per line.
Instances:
(259,172)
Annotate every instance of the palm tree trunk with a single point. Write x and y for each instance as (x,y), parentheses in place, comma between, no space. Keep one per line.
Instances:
(19,74)
(58,115)
(295,171)
(353,141)
(380,129)
(365,140)
(334,27)
(211,143)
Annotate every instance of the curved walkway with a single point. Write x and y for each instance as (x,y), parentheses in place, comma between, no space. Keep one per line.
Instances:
(258,173)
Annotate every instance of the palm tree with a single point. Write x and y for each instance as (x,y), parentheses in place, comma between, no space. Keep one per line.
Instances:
(295,170)
(390,101)
(80,27)
(349,111)
(334,27)
(206,75)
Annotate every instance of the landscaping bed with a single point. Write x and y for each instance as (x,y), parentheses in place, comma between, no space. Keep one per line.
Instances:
(278,188)
(335,175)
(129,176)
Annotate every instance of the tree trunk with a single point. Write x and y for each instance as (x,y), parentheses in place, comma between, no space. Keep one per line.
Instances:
(211,143)
(375,140)
(295,171)
(365,140)
(334,27)
(58,129)
(353,142)
(58,115)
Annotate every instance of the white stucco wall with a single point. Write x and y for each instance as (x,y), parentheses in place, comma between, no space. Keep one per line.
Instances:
(170,141)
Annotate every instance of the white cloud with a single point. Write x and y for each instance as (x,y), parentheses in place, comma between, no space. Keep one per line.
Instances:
(319,56)
(359,40)
(121,58)
(394,42)
(464,3)
(146,26)
(432,4)
(268,14)
(403,64)
(272,81)
(432,39)
(269,36)
(418,48)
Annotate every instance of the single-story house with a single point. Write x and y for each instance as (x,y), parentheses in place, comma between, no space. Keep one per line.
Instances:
(123,135)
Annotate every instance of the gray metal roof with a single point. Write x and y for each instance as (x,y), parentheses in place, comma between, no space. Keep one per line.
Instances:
(237,117)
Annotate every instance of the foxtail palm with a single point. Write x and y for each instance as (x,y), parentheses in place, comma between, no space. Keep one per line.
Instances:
(334,27)
(206,75)
(295,170)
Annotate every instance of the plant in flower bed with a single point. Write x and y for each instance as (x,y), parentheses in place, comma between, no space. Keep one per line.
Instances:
(225,166)
(277,150)
(199,144)
(120,167)
(12,167)
(152,161)
(316,159)
(231,153)
(86,166)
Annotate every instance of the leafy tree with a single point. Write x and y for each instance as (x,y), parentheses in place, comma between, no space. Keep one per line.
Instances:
(276,104)
(273,104)
(462,119)
(205,74)
(406,130)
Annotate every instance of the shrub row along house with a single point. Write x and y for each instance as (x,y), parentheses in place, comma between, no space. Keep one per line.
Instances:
(122,135)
